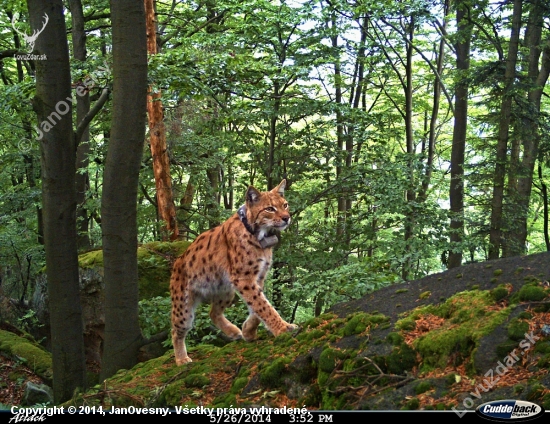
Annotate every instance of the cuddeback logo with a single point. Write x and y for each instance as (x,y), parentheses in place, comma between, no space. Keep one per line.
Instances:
(504,410)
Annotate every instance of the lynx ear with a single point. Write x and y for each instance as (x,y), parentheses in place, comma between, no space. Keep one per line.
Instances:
(280,188)
(252,195)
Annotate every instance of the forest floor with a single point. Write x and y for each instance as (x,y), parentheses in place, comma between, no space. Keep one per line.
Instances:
(14,374)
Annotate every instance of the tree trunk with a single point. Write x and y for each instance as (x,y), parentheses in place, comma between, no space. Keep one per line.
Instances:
(58,157)
(529,128)
(120,186)
(83,149)
(456,191)
(544,195)
(157,139)
(341,213)
(409,137)
(503,134)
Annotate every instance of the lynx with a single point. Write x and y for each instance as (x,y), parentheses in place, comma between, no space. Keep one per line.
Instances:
(234,256)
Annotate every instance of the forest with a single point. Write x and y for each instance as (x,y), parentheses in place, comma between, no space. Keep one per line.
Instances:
(412,136)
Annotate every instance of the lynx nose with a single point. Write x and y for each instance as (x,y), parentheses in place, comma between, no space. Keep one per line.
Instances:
(286,219)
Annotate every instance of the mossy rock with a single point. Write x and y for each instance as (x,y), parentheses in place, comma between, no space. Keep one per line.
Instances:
(468,319)
(401,359)
(531,293)
(394,338)
(499,293)
(423,387)
(154,267)
(359,322)
(31,353)
(517,329)
(329,359)
(196,380)
(273,375)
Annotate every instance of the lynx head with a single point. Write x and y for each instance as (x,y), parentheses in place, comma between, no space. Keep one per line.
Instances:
(267,210)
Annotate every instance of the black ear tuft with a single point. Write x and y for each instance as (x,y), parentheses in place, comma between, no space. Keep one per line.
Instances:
(252,195)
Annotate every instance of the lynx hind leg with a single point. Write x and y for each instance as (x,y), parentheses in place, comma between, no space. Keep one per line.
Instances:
(250,327)
(180,350)
(220,321)
(183,314)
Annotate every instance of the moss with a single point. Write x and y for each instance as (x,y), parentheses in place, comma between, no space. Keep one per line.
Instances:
(239,384)
(530,293)
(457,338)
(394,338)
(544,362)
(196,380)
(535,392)
(401,291)
(311,335)
(35,357)
(525,315)
(542,347)
(505,348)
(227,400)
(406,324)
(497,272)
(92,259)
(329,358)
(499,293)
(402,358)
(519,270)
(517,329)
(458,275)
(411,404)
(154,266)
(273,375)
(493,280)
(450,379)
(423,387)
(359,322)
(425,295)
(518,388)
(312,398)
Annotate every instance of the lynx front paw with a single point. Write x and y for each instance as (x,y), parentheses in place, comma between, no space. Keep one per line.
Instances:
(183,361)
(292,328)
(287,328)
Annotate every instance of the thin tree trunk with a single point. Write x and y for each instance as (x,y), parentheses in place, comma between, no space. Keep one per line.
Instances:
(58,158)
(544,194)
(503,134)
(456,191)
(120,186)
(157,140)
(341,213)
(423,194)
(409,137)
(83,149)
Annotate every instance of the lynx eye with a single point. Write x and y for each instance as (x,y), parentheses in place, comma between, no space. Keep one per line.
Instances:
(285,206)
(270,209)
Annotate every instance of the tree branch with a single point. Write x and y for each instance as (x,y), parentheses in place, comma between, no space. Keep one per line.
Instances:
(90,115)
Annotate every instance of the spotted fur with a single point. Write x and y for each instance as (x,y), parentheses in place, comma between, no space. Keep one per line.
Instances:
(226,259)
